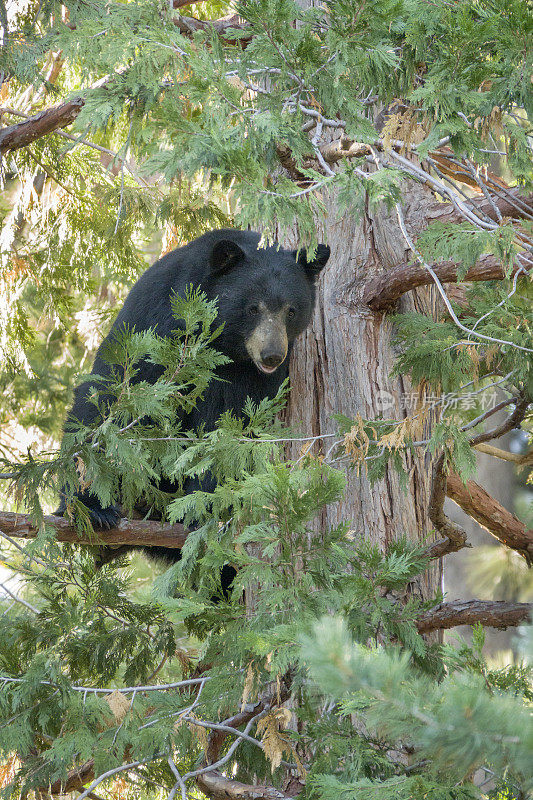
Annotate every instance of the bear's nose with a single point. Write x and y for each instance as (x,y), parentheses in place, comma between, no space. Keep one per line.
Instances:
(270,359)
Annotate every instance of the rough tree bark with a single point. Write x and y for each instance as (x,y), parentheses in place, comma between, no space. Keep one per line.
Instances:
(344,363)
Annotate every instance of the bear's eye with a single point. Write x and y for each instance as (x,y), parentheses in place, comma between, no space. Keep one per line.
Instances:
(253,311)
(292,312)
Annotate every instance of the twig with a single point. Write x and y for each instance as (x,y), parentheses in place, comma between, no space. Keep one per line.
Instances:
(114,771)
(18,599)
(220,763)
(21,549)
(513,421)
(95,690)
(179,782)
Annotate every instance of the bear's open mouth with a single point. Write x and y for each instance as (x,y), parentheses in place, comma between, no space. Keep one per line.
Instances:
(266,369)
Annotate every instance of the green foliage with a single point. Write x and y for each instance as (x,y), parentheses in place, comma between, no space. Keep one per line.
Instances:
(136,441)
(439,353)
(463,243)
(451,727)
(187,133)
(88,632)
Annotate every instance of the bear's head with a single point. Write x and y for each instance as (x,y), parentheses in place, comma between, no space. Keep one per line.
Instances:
(265,296)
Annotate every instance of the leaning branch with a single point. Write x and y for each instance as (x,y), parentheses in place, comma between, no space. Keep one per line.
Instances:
(128,532)
(219,787)
(520,459)
(491,613)
(383,291)
(491,515)
(51,119)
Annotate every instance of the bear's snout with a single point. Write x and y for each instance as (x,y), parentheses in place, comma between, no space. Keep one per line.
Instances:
(271,359)
(268,344)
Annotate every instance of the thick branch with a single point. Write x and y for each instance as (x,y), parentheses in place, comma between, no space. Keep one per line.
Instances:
(218,787)
(221,27)
(75,781)
(129,531)
(455,537)
(491,515)
(492,613)
(23,133)
(382,291)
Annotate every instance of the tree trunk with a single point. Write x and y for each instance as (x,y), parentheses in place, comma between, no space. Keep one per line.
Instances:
(344,363)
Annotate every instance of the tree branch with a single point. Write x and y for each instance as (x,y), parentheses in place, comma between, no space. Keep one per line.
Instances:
(521,460)
(218,787)
(455,537)
(217,737)
(222,27)
(181,3)
(491,515)
(382,291)
(509,202)
(128,532)
(23,133)
(492,613)
(513,421)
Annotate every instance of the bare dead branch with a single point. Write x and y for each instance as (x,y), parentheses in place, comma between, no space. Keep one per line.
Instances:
(491,515)
(128,532)
(513,421)
(218,787)
(504,201)
(521,460)
(384,290)
(492,613)
(23,133)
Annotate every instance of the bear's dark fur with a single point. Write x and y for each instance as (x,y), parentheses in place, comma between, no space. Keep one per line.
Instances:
(265,299)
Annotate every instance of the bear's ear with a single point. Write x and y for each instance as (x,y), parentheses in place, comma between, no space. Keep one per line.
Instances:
(224,256)
(313,268)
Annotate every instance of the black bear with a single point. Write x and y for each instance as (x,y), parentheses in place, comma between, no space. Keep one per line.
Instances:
(265,298)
